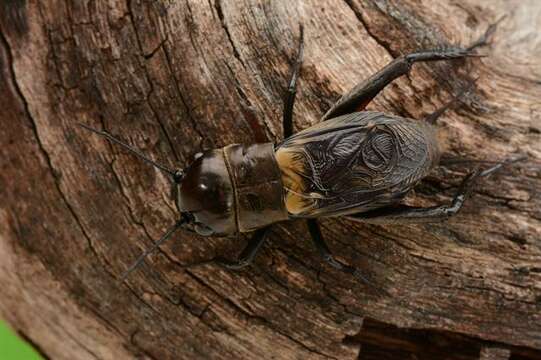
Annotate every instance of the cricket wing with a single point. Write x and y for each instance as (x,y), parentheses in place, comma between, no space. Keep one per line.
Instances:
(354,163)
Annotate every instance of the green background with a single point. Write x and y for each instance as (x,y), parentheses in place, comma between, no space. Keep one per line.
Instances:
(14,348)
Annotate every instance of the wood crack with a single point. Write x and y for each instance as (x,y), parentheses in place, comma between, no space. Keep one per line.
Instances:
(44,153)
(183,100)
(52,171)
(220,11)
(149,80)
(358,14)
(260,320)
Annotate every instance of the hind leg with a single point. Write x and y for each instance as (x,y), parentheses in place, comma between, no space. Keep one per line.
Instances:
(408,214)
(361,95)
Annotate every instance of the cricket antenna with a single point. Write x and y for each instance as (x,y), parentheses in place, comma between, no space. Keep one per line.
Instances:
(176,175)
(148,251)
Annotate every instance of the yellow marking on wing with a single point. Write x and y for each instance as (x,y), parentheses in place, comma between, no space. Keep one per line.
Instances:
(296,200)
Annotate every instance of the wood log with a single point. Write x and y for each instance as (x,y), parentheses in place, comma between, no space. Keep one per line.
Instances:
(176,77)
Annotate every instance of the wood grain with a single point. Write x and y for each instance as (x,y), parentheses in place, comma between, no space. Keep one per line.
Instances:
(176,77)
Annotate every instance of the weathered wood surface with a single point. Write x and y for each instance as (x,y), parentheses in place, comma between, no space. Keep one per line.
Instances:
(171,77)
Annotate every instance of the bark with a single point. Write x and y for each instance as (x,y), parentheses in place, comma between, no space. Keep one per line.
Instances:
(176,77)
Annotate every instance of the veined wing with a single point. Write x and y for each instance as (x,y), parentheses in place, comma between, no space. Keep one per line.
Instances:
(354,163)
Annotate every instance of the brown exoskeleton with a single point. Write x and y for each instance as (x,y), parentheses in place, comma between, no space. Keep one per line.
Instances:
(354,163)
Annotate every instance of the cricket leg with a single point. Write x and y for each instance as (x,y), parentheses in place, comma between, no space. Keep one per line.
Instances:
(327,256)
(408,214)
(292,89)
(361,95)
(248,253)
(432,118)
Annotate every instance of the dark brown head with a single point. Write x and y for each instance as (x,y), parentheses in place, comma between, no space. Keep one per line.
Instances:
(206,193)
